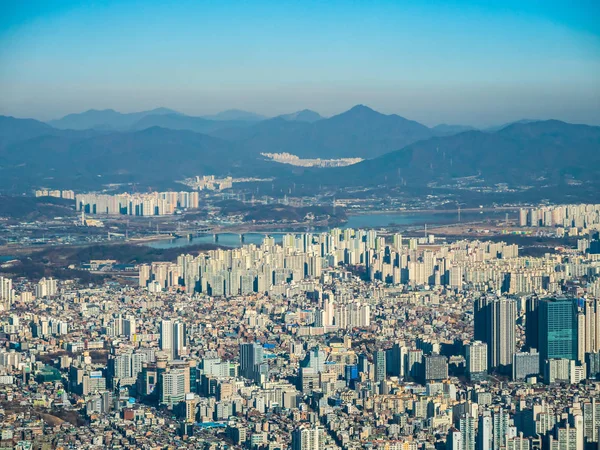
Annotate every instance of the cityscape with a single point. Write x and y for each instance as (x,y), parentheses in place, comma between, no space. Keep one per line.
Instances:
(338,339)
(300,225)
(151,204)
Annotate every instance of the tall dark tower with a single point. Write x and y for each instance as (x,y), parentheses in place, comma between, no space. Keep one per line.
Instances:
(480,319)
(532,323)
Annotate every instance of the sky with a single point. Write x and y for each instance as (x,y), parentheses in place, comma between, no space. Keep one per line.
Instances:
(460,62)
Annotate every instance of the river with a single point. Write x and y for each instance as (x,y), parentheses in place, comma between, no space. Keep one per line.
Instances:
(401,220)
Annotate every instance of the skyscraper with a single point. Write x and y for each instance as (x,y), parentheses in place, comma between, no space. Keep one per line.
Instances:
(502,422)
(129,327)
(173,338)
(251,358)
(531,323)
(467,432)
(179,339)
(395,360)
(591,420)
(166,337)
(495,320)
(591,336)
(413,362)
(480,319)
(7,292)
(484,432)
(557,333)
(380,365)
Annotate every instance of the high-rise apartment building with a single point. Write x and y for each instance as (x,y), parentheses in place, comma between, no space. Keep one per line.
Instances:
(46,287)
(502,425)
(563,438)
(166,337)
(485,432)
(477,360)
(591,421)
(525,364)
(7,293)
(308,437)
(435,368)
(495,319)
(466,425)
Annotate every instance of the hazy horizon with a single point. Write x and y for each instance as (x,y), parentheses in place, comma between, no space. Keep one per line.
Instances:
(468,63)
(266,117)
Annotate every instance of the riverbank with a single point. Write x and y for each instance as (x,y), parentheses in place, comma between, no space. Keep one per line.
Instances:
(430,211)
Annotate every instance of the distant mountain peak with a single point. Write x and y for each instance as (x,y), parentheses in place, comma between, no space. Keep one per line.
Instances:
(236,111)
(358,112)
(236,114)
(162,110)
(506,125)
(362,109)
(158,110)
(361,113)
(445,129)
(305,115)
(94,110)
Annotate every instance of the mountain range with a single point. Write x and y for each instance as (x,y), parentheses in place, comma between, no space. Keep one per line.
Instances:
(106,119)
(228,122)
(158,147)
(151,157)
(236,114)
(358,132)
(109,119)
(522,154)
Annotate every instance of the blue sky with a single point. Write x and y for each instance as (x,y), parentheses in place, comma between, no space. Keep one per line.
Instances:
(468,62)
